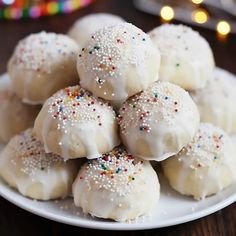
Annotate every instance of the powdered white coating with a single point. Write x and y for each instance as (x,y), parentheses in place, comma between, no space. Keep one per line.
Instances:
(34,173)
(186,57)
(118,62)
(42,62)
(216,101)
(73,124)
(84,27)
(205,166)
(158,122)
(116,186)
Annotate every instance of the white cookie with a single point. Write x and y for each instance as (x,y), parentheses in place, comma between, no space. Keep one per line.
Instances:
(186,57)
(118,62)
(84,27)
(24,165)
(15,116)
(116,186)
(41,64)
(217,101)
(74,124)
(205,166)
(158,122)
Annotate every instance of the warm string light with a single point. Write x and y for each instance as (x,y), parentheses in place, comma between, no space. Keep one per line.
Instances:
(200,16)
(223,28)
(167,13)
(197,2)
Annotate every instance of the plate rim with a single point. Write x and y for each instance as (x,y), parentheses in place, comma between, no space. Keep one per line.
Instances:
(5,189)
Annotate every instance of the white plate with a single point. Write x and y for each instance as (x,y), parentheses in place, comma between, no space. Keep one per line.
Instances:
(173,209)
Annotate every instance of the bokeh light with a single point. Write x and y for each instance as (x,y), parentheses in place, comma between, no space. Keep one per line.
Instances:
(167,13)
(200,16)
(223,27)
(197,1)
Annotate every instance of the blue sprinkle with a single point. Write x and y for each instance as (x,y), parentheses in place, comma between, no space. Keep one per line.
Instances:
(61,109)
(166,98)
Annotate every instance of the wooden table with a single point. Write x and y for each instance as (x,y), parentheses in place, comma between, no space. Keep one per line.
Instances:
(15,221)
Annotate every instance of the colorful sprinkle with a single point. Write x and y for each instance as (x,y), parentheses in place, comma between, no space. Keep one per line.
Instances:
(114,171)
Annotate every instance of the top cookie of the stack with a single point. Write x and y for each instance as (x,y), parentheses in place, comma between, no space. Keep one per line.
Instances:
(118,62)
(41,64)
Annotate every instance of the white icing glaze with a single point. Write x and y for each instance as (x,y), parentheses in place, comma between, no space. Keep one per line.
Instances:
(118,62)
(216,102)
(205,166)
(25,166)
(78,120)
(42,59)
(186,58)
(116,186)
(84,27)
(163,116)
(41,51)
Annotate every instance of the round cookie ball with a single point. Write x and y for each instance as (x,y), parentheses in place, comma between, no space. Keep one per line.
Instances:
(186,57)
(74,124)
(41,64)
(15,116)
(84,27)
(116,186)
(158,122)
(24,165)
(205,166)
(216,101)
(118,62)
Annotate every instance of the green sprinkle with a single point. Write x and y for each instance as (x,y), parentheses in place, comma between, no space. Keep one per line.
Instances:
(96,47)
(103,167)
